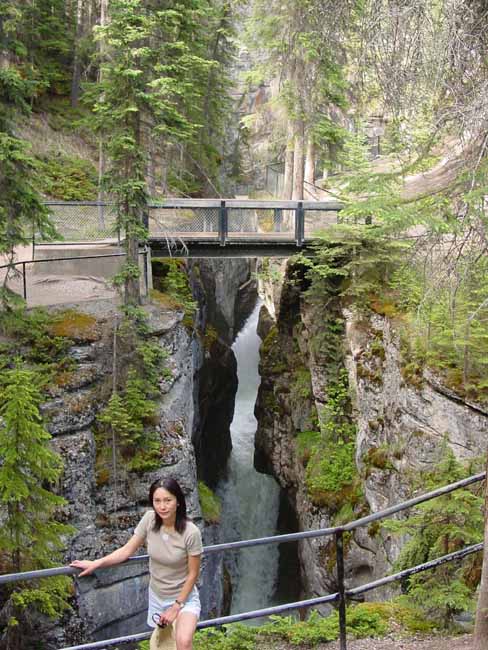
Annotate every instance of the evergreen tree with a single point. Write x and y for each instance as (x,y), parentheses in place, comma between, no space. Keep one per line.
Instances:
(30,536)
(21,210)
(436,528)
(154,58)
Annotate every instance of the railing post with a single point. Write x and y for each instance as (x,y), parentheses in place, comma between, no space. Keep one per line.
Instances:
(24,281)
(339,544)
(146,273)
(223,223)
(277,219)
(299,223)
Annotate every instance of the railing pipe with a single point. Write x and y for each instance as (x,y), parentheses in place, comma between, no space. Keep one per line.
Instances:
(259,613)
(401,575)
(24,281)
(383,514)
(276,539)
(213,622)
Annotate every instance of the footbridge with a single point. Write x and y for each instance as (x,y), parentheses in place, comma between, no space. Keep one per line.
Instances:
(339,598)
(203,227)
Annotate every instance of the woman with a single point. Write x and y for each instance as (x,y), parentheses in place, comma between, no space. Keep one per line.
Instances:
(174,545)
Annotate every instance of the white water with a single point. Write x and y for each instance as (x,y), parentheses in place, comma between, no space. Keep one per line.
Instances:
(250,499)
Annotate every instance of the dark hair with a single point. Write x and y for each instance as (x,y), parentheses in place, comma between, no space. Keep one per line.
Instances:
(173,487)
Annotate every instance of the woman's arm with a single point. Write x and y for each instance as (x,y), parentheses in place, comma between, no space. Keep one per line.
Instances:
(170,614)
(117,557)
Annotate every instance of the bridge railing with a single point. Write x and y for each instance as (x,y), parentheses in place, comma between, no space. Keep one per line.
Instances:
(340,597)
(219,220)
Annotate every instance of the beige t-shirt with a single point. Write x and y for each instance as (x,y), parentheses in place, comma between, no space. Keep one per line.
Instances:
(168,554)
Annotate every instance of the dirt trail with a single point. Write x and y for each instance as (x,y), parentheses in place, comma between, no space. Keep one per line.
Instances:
(463,642)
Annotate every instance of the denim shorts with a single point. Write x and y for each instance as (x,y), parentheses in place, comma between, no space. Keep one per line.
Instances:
(156,605)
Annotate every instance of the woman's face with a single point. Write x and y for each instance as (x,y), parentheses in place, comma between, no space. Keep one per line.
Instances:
(165,504)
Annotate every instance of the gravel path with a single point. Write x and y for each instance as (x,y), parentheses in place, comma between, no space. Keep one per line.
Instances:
(388,643)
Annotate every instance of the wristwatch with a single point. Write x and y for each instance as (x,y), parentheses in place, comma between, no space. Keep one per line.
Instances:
(178,602)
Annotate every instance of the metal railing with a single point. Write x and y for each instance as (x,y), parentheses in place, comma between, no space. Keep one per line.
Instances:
(24,264)
(222,221)
(339,597)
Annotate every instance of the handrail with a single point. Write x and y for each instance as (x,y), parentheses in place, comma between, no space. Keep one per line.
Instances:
(24,263)
(340,596)
(269,611)
(65,259)
(175,202)
(274,539)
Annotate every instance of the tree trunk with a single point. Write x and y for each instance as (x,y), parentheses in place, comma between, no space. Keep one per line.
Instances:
(288,180)
(151,167)
(132,295)
(310,166)
(298,161)
(480,637)
(75,81)
(101,151)
(100,196)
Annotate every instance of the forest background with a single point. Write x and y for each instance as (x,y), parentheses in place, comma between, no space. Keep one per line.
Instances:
(152,92)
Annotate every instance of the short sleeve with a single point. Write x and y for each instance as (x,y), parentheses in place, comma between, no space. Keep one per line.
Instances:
(194,544)
(142,528)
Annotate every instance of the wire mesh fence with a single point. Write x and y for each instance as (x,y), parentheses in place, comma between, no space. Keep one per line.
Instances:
(92,222)
(84,222)
(187,220)
(318,220)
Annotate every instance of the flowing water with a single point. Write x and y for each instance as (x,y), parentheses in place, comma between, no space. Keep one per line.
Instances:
(250,499)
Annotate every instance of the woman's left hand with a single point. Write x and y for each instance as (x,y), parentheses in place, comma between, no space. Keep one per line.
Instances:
(169,615)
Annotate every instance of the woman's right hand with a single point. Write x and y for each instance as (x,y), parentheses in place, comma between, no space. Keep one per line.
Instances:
(87,566)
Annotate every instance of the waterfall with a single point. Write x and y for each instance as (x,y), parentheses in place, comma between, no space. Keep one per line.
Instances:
(250,500)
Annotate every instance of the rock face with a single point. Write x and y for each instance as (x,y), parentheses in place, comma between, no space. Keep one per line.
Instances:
(103,510)
(195,407)
(407,420)
(226,292)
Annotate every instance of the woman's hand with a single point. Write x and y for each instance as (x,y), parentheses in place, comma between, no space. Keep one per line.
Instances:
(87,566)
(169,615)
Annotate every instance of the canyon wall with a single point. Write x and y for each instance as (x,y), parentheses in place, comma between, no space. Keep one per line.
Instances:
(403,423)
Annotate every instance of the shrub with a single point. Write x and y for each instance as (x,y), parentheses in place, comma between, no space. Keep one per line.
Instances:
(210,504)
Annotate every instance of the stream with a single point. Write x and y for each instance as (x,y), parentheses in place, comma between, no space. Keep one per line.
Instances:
(250,500)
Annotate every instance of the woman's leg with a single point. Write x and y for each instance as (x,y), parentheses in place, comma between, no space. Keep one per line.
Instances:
(186,624)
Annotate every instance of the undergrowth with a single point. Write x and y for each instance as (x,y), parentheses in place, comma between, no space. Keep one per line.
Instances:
(363,620)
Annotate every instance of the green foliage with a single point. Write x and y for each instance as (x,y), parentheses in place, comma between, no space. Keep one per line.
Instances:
(126,424)
(40,36)
(301,383)
(171,282)
(210,504)
(31,337)
(30,536)
(127,417)
(445,324)
(331,475)
(436,528)
(67,178)
(21,210)
(363,620)
(49,597)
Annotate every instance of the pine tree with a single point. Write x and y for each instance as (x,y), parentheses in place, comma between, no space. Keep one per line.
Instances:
(154,66)
(436,528)
(21,210)
(30,536)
